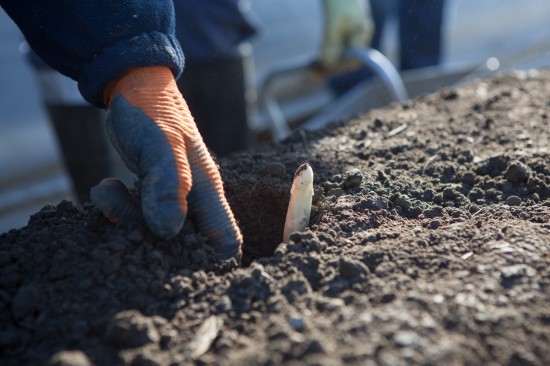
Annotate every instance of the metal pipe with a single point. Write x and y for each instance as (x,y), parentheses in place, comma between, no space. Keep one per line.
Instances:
(383,68)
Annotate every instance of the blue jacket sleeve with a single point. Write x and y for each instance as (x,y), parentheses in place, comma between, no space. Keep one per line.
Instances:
(210,30)
(96,41)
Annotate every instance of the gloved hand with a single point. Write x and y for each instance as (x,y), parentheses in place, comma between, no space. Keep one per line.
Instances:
(348,23)
(152,129)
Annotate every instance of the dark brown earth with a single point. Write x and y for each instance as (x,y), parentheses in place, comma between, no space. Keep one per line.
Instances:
(429,244)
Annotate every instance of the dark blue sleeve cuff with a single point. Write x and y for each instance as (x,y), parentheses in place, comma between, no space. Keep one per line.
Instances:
(146,49)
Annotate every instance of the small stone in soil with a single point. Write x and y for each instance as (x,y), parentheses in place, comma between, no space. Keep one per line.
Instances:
(434,224)
(406,338)
(70,358)
(352,269)
(298,323)
(513,201)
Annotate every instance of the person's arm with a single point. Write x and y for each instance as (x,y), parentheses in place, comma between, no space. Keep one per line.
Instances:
(94,42)
(124,56)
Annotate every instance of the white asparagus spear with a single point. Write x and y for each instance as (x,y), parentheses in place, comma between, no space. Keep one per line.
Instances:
(299,207)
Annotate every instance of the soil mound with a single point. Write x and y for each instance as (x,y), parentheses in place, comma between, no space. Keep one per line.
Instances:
(429,244)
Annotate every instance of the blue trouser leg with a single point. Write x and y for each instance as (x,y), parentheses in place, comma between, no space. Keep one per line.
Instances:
(420,32)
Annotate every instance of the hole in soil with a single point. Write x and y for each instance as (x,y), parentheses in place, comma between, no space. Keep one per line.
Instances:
(260,212)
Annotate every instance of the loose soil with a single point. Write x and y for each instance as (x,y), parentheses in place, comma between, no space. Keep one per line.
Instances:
(429,244)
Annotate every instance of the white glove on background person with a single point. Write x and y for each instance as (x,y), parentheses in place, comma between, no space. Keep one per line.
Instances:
(348,24)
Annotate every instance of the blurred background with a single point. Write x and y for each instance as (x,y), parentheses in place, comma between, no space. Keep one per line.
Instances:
(479,39)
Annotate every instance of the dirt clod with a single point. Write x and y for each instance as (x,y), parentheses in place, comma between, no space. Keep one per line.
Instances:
(517,172)
(130,329)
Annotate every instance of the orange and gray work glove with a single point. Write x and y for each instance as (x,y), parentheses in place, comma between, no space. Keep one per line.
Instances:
(348,24)
(152,129)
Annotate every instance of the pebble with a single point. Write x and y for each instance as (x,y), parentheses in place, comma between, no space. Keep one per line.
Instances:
(387,298)
(70,358)
(298,323)
(438,298)
(434,224)
(331,304)
(517,271)
(406,338)
(352,269)
(513,201)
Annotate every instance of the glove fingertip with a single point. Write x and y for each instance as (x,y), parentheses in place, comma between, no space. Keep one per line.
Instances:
(164,219)
(212,214)
(228,246)
(115,201)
